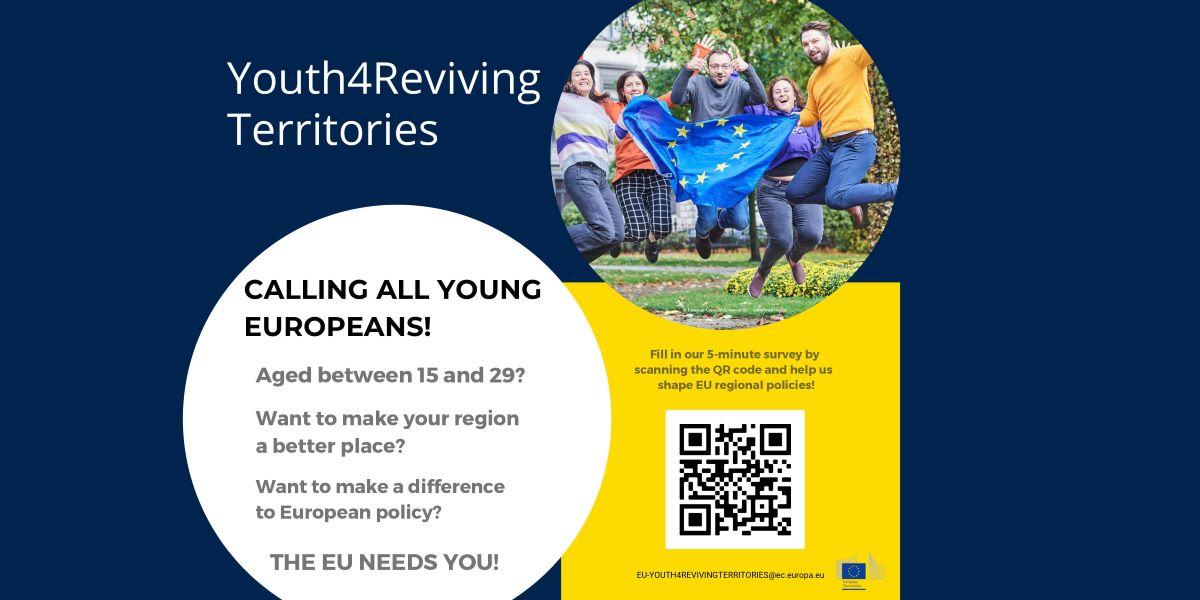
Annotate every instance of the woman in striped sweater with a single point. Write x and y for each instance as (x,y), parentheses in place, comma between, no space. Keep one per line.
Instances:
(583,135)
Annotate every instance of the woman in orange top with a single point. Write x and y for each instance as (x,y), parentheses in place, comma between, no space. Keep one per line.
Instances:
(644,195)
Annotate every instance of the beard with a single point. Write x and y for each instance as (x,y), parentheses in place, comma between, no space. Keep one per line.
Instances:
(820,58)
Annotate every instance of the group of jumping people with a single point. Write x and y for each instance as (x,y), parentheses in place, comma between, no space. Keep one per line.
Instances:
(823,162)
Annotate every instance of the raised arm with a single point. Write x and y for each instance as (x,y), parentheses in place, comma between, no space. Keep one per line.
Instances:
(679,91)
(612,108)
(859,55)
(758,93)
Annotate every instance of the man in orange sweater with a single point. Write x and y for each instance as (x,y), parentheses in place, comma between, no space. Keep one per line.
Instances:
(838,97)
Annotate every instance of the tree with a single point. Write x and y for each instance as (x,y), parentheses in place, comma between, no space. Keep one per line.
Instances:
(767,32)
(767,35)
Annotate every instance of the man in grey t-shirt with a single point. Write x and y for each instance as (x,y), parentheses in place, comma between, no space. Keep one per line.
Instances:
(718,95)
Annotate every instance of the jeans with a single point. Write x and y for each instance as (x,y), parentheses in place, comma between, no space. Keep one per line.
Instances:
(588,187)
(834,175)
(736,217)
(793,229)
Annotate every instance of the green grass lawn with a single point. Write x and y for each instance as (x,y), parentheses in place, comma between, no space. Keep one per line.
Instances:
(621,277)
(739,259)
(716,302)
(680,259)
(699,293)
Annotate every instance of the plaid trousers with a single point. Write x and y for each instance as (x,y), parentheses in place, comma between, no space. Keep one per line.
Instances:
(645,200)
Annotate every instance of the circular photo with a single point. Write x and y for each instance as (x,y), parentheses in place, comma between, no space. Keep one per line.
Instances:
(725,165)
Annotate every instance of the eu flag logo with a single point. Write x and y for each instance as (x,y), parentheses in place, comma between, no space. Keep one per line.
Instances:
(854,570)
(714,163)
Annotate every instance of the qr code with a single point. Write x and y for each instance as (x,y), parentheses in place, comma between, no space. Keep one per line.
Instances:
(735,479)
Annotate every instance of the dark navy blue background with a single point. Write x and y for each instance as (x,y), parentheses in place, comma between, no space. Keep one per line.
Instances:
(1031,439)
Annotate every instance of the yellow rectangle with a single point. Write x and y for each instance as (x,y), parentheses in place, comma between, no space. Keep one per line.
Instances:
(852,480)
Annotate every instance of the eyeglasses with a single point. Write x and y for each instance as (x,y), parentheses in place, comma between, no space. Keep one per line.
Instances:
(724,67)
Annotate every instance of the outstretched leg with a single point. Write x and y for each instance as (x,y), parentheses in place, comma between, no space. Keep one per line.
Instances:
(588,187)
(706,219)
(736,217)
(706,223)
(852,158)
(808,186)
(629,196)
(659,198)
(614,212)
(808,227)
(657,202)
(776,213)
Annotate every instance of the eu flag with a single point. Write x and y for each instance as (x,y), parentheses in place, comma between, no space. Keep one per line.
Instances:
(715,163)
(854,570)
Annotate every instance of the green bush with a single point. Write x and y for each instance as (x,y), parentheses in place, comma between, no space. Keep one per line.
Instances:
(840,233)
(887,158)
(821,279)
(571,215)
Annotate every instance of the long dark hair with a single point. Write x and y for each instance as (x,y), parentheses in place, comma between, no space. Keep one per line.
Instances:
(621,84)
(593,95)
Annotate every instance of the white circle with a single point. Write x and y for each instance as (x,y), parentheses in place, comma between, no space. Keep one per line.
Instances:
(551,462)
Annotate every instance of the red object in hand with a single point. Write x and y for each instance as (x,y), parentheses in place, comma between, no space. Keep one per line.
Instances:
(700,51)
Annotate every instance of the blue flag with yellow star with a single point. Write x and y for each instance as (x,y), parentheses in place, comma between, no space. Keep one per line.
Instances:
(714,163)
